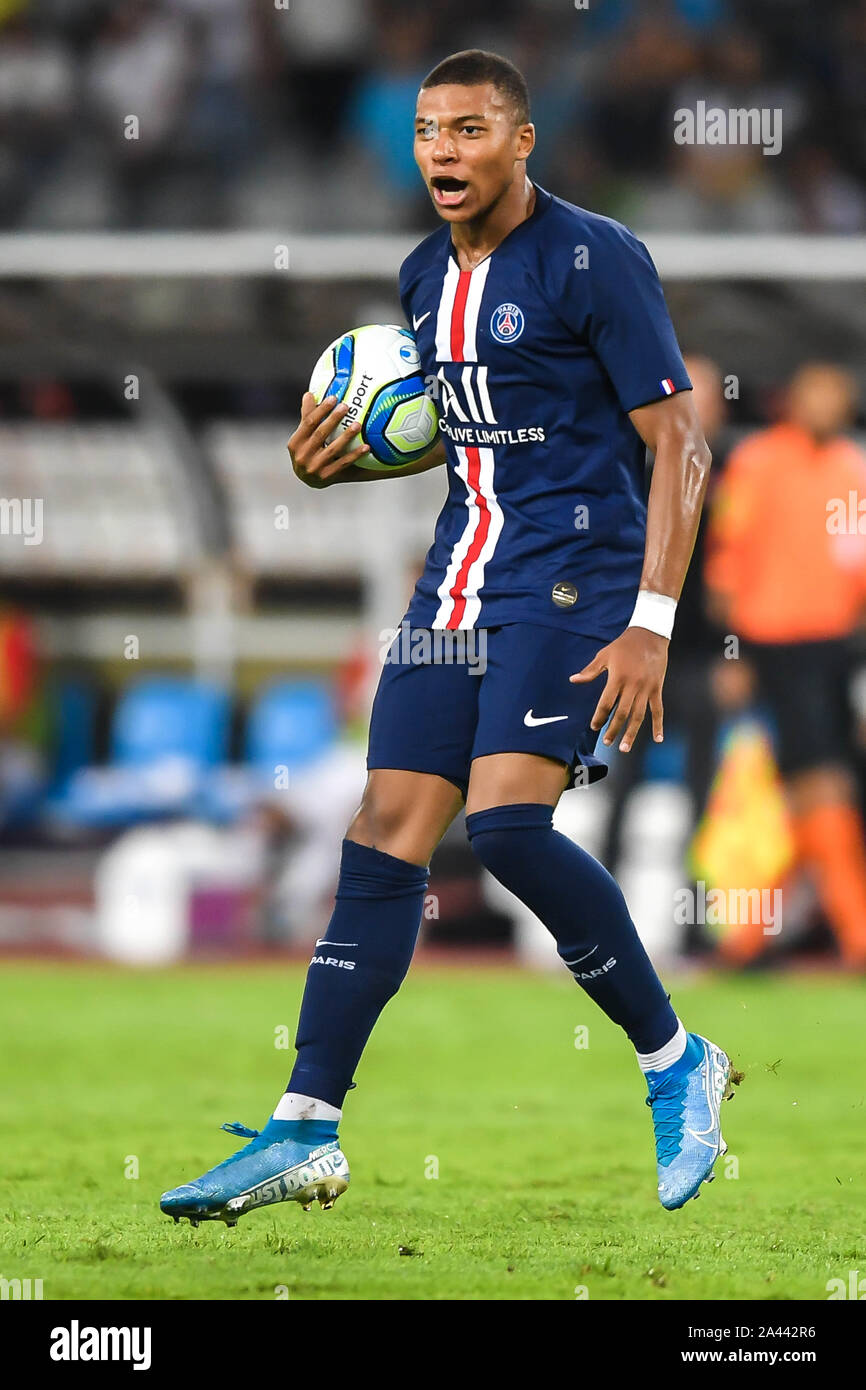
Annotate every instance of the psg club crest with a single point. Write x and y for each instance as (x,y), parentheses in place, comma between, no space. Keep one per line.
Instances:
(507,323)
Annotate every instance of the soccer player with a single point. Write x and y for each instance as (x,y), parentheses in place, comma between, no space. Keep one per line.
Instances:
(546,331)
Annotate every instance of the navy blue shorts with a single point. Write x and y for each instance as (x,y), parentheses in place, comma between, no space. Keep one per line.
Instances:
(445,698)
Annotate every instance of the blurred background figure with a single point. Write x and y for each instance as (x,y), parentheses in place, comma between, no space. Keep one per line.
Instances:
(787,572)
(22,773)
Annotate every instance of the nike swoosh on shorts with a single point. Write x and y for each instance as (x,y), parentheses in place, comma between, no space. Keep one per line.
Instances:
(532,722)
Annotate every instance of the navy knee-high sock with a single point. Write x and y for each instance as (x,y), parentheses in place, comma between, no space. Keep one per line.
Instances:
(584,910)
(359,964)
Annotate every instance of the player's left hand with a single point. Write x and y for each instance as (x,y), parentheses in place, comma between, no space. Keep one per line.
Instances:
(635,662)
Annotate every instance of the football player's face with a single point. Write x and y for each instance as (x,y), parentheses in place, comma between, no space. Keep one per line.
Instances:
(466,146)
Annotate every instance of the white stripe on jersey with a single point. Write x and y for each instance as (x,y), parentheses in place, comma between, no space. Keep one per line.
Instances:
(470,316)
(466,378)
(446,308)
(484,397)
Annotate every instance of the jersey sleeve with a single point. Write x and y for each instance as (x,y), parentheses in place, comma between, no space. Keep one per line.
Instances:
(403,285)
(408,280)
(615,302)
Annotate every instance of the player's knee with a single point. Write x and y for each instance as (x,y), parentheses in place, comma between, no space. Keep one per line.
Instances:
(384,823)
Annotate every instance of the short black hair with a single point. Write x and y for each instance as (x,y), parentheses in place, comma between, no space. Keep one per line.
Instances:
(475,66)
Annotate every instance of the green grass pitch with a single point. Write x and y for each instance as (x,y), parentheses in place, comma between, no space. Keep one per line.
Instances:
(543,1150)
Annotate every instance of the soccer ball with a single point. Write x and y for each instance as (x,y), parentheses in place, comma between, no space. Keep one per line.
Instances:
(376,371)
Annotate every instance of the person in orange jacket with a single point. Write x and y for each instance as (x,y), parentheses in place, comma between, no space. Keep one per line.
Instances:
(786,570)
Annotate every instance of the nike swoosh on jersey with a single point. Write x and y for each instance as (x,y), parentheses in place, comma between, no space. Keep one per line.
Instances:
(531,722)
(416,323)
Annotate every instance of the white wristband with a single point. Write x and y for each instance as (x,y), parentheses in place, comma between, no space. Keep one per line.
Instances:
(654,612)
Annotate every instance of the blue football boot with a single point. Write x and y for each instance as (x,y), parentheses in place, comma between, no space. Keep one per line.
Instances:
(309,1166)
(685,1100)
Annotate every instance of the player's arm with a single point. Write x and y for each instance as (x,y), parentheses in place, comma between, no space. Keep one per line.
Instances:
(319,464)
(637,660)
(672,432)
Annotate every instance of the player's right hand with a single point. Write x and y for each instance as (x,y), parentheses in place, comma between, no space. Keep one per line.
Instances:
(316,462)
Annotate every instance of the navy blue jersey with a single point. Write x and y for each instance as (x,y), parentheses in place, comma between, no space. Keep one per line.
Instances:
(539,353)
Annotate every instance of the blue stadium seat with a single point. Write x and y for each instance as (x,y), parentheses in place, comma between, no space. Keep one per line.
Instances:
(162,716)
(290,724)
(168,733)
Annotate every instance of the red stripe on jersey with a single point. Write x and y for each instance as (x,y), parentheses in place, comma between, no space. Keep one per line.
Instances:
(457,312)
(476,544)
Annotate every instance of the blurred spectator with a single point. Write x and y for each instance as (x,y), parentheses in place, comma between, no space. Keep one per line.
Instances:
(846,84)
(17,669)
(37,90)
(558,102)
(379,122)
(633,94)
(733,186)
(829,199)
(787,570)
(219,127)
(20,760)
(135,82)
(239,102)
(138,66)
(326,48)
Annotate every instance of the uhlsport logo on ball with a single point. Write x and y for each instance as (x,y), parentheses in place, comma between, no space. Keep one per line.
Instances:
(376,372)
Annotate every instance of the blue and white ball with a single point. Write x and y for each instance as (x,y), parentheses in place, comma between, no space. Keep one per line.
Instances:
(376,372)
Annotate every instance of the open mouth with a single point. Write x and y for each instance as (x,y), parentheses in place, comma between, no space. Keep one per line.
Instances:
(448,192)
